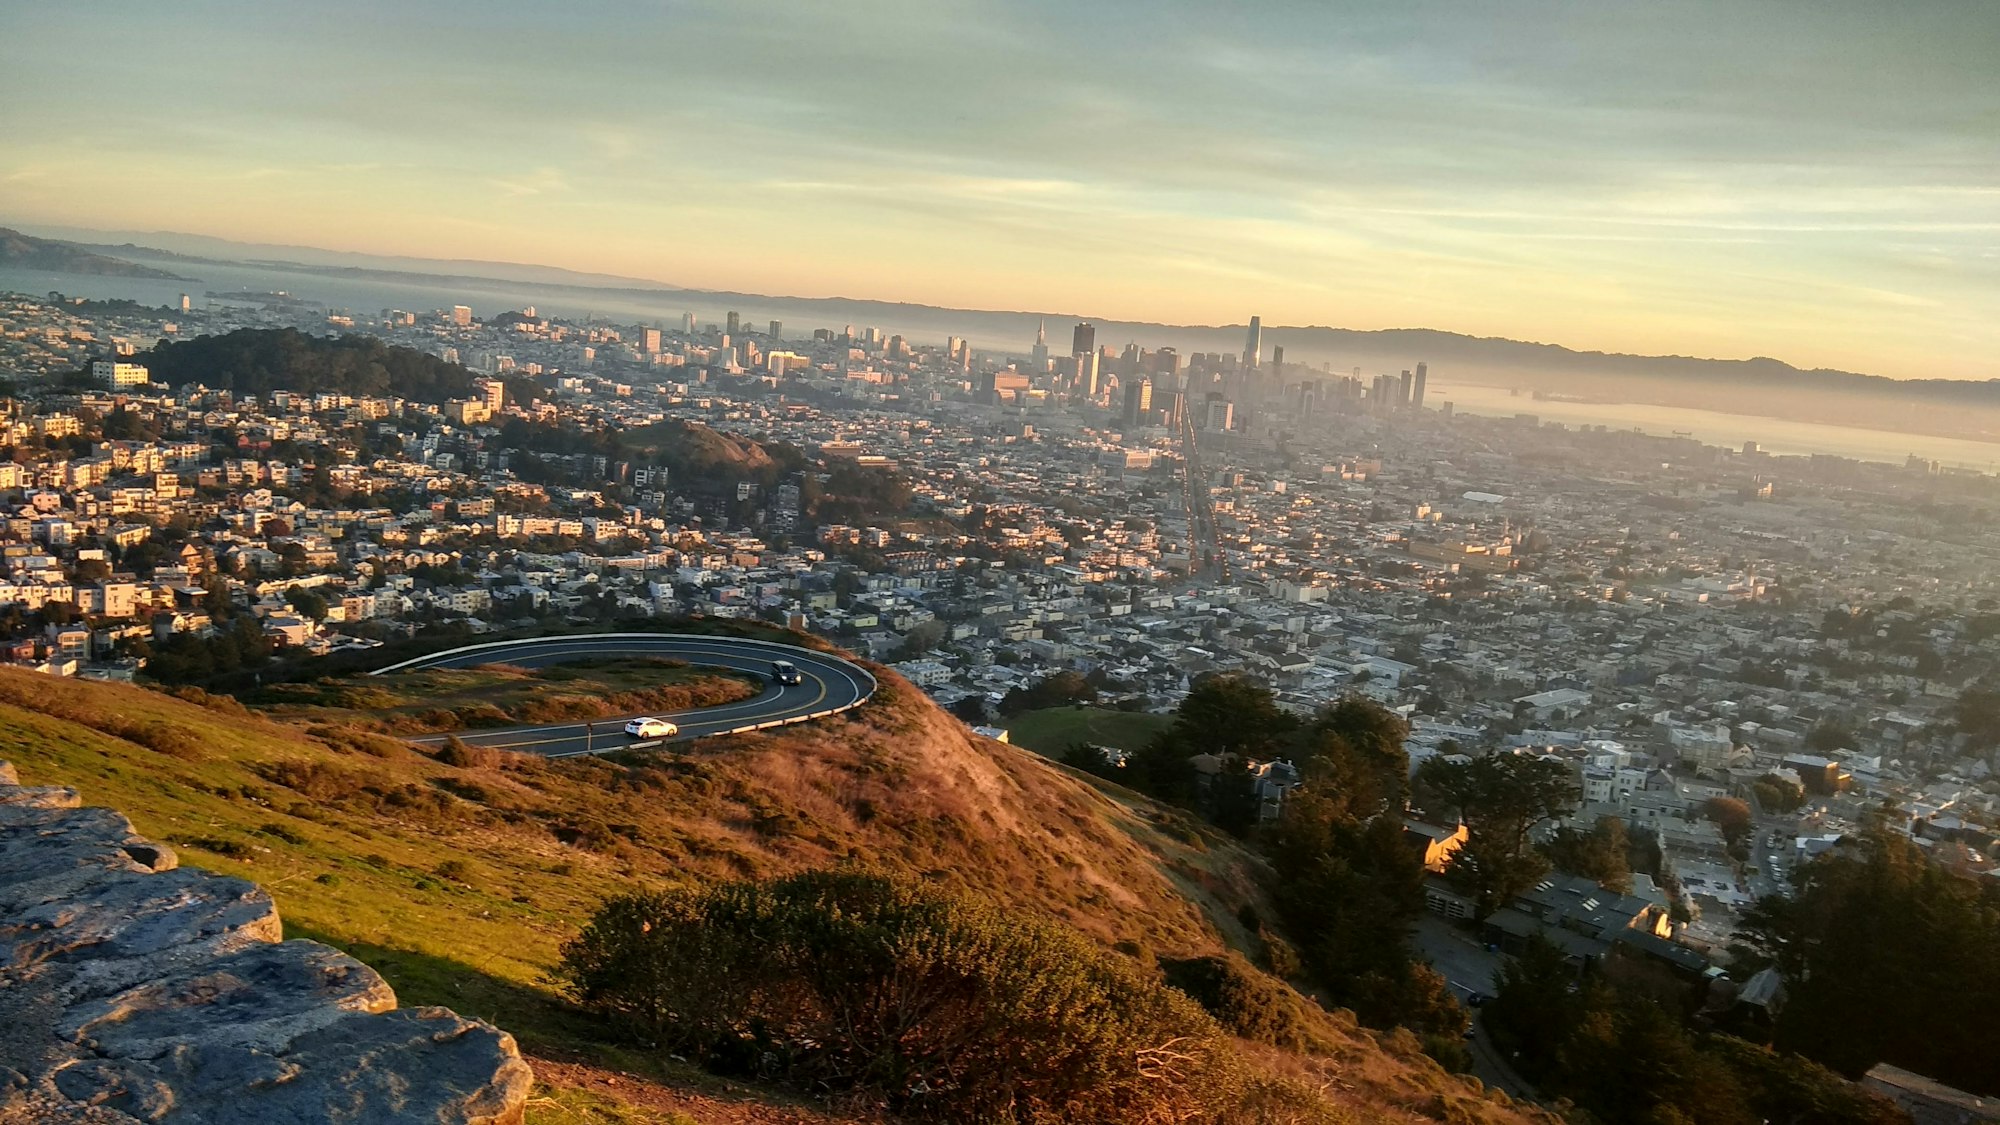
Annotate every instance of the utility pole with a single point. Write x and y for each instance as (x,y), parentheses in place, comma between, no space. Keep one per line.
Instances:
(589,733)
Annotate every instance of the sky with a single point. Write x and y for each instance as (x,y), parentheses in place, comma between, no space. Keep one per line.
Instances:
(1814,181)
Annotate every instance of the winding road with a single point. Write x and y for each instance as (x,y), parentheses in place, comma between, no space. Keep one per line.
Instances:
(828,684)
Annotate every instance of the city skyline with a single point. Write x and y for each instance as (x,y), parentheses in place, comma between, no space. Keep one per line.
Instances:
(1814,184)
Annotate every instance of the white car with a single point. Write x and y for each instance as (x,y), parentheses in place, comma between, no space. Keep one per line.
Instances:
(645,727)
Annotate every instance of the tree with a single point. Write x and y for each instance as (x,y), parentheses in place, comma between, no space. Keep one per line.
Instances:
(921,638)
(1778,794)
(1501,798)
(1350,890)
(1230,715)
(1601,853)
(1357,744)
(307,601)
(1977,714)
(1880,947)
(1233,803)
(1054,690)
(1828,737)
(971,710)
(1536,1003)
(1731,814)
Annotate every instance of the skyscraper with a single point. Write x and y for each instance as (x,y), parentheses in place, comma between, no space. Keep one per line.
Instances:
(1278,358)
(1404,385)
(649,340)
(1253,348)
(1088,374)
(1138,401)
(1041,352)
(1084,339)
(777,330)
(687,323)
(1417,390)
(735,324)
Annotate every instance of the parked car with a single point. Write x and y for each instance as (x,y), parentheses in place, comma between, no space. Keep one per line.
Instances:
(648,727)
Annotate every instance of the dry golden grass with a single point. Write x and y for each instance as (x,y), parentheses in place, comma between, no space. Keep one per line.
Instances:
(459,883)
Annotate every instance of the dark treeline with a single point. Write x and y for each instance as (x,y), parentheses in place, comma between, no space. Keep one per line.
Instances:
(257,361)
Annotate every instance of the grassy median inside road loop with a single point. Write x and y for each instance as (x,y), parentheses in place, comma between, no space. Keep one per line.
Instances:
(498,695)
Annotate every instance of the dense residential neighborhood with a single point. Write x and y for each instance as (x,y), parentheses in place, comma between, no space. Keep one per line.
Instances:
(1689,630)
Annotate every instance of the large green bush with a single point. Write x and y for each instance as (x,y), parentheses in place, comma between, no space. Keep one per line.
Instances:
(942,1004)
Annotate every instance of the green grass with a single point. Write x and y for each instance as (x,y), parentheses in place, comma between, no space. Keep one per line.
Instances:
(568,1106)
(1053,730)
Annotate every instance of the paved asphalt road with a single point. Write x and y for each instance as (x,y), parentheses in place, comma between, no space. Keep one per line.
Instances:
(827,682)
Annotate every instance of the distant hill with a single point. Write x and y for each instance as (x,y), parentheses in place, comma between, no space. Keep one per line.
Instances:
(458,882)
(1754,386)
(26,252)
(261,360)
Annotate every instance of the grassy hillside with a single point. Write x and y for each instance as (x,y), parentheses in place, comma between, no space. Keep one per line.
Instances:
(1052,730)
(459,883)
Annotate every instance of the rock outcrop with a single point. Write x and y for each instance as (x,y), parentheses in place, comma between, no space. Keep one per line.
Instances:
(132,990)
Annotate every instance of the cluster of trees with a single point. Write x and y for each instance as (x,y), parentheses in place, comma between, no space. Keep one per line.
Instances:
(1233,717)
(1350,887)
(1057,689)
(941,1006)
(1976,713)
(1617,1046)
(1349,882)
(261,360)
(1501,799)
(237,646)
(1888,956)
(1778,794)
(1602,852)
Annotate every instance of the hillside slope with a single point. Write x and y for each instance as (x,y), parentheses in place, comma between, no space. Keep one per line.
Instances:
(458,883)
(26,252)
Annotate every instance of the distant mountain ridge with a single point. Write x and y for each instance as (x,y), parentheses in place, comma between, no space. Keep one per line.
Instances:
(25,251)
(1012,331)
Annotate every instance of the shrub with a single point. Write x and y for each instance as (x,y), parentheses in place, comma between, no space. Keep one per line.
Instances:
(278,831)
(463,755)
(161,738)
(1244,1001)
(219,845)
(318,780)
(219,703)
(942,1005)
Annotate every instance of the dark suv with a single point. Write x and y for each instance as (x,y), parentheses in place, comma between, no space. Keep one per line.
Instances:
(785,672)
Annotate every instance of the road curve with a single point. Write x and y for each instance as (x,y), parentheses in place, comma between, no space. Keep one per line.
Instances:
(828,684)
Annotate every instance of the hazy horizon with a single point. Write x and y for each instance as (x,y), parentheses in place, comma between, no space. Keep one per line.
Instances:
(323,258)
(1810,182)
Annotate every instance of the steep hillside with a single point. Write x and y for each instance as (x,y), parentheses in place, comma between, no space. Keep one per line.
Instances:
(458,883)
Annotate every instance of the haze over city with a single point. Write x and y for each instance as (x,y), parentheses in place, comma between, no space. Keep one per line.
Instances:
(1807,181)
(1031,564)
